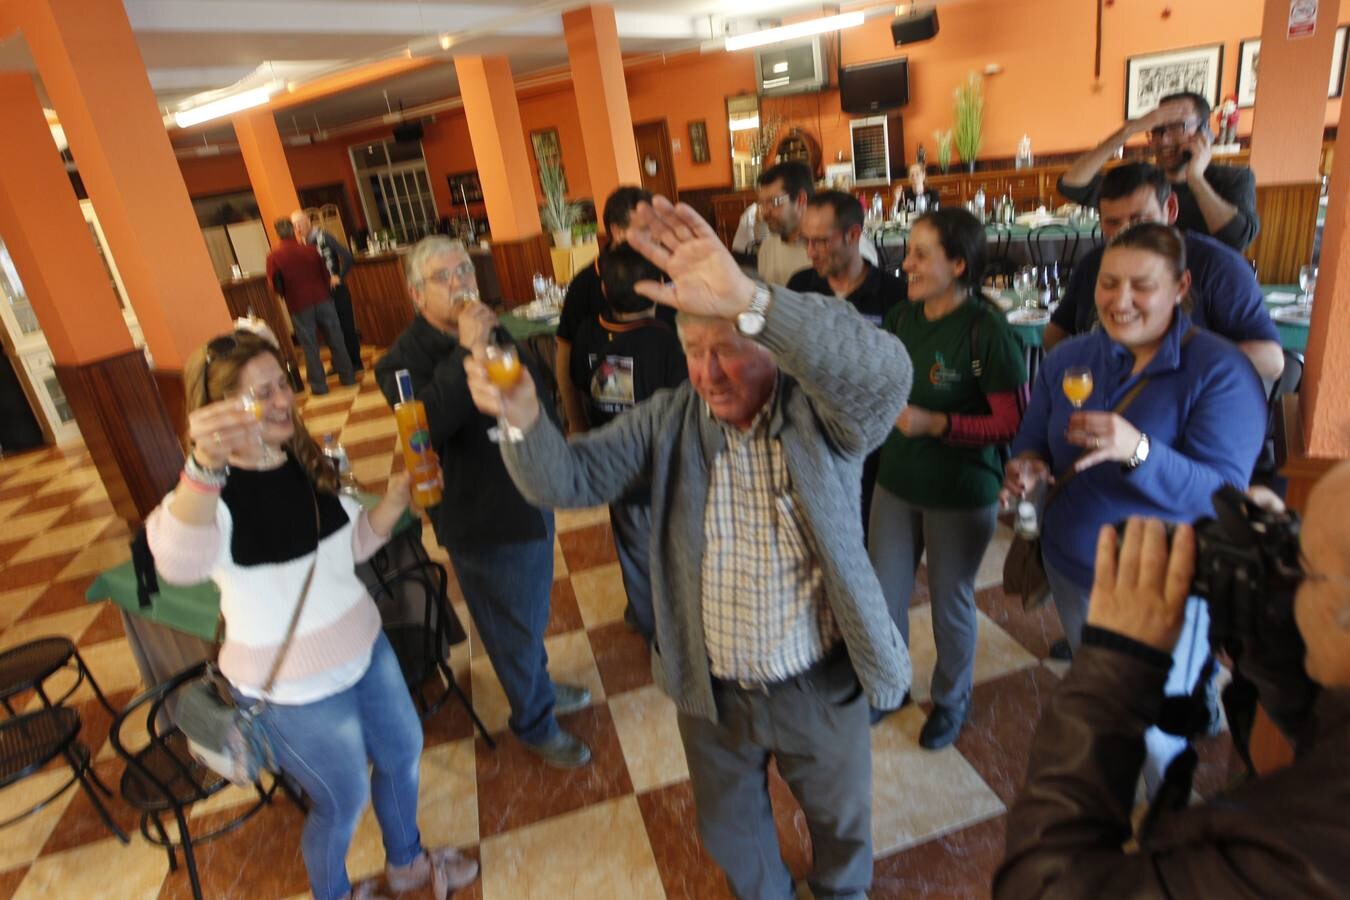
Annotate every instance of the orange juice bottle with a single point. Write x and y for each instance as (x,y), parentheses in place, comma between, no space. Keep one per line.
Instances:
(424,468)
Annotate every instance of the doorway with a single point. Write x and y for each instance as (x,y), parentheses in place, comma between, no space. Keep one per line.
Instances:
(654,160)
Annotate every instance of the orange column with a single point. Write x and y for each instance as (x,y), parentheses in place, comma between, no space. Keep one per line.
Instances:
(602,99)
(1291,96)
(105,378)
(92,70)
(1325,396)
(41,224)
(265,159)
(498,139)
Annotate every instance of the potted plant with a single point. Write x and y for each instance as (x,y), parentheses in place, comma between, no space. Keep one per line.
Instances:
(944,149)
(559,214)
(969,115)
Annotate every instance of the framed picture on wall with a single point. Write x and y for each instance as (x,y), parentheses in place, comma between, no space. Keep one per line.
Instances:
(547,149)
(1249,60)
(1152,76)
(698,141)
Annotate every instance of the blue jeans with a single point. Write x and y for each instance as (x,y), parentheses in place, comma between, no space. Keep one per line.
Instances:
(507,589)
(305,323)
(325,745)
(1188,657)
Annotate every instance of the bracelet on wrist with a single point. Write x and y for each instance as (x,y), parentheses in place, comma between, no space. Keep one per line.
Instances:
(211,478)
(197,486)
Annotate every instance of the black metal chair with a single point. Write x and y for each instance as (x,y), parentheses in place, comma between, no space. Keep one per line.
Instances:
(889,237)
(163,777)
(1268,464)
(28,666)
(999,267)
(30,741)
(1041,253)
(422,645)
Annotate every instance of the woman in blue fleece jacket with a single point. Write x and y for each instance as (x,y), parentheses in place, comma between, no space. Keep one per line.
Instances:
(1197,425)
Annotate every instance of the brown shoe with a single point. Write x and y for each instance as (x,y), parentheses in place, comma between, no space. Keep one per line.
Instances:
(446,869)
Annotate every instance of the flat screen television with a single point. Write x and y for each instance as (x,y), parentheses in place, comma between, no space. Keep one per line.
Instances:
(874,87)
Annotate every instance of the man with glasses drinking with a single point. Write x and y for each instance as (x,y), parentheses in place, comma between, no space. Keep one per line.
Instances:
(500,545)
(1217,200)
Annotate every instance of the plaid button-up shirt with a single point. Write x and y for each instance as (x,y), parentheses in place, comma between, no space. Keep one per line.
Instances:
(765,614)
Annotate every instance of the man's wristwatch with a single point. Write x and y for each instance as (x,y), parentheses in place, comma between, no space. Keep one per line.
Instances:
(751,322)
(1140,454)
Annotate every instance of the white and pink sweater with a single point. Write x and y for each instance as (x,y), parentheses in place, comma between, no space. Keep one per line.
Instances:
(258,551)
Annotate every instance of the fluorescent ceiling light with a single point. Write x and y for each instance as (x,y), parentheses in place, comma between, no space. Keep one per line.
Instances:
(748,124)
(795,30)
(224,106)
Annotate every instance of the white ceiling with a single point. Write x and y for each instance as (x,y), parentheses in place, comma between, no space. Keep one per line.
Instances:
(193,46)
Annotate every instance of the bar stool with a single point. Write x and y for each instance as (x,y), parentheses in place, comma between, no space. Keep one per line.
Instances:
(30,741)
(30,665)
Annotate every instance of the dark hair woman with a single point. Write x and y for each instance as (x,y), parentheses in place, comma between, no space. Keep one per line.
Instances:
(940,471)
(1196,424)
(256,507)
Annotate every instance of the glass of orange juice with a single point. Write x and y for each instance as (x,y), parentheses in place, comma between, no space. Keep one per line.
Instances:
(1077,385)
(503,370)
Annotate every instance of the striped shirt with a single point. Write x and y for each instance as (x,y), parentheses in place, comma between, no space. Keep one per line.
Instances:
(765,615)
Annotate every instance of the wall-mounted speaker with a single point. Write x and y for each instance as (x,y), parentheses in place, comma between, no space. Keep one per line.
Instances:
(408,132)
(919,25)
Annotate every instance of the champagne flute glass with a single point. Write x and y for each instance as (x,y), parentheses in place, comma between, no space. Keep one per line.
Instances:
(1307,284)
(251,402)
(503,370)
(1077,385)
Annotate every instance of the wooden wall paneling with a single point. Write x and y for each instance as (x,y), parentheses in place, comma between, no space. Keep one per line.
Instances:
(127,429)
(727,210)
(701,199)
(1288,224)
(172,390)
(1026,188)
(380,302)
(516,263)
(251,295)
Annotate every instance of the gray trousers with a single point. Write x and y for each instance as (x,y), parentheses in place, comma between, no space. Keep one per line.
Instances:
(816,726)
(632,525)
(305,323)
(955,540)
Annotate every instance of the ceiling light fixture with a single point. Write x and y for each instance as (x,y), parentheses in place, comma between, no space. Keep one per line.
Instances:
(447,41)
(795,30)
(224,106)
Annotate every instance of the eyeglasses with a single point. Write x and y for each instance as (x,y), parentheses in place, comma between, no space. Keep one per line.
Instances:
(777,201)
(1175,129)
(444,277)
(822,243)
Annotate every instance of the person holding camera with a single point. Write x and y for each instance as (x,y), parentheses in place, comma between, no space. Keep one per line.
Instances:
(1172,413)
(1286,834)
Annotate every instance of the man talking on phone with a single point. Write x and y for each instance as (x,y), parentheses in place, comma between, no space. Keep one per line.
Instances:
(1217,200)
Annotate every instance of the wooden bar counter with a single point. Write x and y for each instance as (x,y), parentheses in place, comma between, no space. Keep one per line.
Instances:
(380,301)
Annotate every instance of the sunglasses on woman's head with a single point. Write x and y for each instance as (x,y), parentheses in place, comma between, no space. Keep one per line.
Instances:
(216,349)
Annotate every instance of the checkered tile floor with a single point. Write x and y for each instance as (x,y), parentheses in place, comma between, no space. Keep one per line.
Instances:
(621,828)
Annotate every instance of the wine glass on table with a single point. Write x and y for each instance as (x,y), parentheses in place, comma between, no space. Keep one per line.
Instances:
(1077,385)
(1307,285)
(503,370)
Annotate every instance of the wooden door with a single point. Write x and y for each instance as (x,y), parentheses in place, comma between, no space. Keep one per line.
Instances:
(654,161)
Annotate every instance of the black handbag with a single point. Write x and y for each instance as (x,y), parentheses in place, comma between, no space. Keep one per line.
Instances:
(223,735)
(1023,569)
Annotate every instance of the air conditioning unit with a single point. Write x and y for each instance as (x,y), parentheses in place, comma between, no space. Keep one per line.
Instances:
(793,68)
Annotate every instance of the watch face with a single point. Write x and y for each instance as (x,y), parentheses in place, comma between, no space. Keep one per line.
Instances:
(750,323)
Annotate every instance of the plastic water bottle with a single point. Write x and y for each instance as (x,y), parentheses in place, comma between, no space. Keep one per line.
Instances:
(341,463)
(979,203)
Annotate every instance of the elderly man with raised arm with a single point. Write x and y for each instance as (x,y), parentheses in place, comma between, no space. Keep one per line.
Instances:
(772,634)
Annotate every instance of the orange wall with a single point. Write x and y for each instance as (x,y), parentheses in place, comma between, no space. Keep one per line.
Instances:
(1045,90)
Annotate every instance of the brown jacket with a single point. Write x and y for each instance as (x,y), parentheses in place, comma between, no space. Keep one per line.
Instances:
(1284,835)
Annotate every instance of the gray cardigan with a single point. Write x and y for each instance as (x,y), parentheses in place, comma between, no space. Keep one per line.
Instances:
(843,383)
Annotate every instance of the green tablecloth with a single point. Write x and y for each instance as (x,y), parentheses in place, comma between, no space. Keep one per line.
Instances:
(522,329)
(1293,336)
(192,609)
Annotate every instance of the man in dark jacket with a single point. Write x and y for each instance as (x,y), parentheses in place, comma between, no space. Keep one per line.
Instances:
(1286,834)
(501,547)
(338,260)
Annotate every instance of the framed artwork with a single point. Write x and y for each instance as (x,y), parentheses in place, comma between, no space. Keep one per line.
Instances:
(464,187)
(1152,76)
(547,149)
(1249,59)
(698,141)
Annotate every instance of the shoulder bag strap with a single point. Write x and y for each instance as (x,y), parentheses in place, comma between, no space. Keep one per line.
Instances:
(299,607)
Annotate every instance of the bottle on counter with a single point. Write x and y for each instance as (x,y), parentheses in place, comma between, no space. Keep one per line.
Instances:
(341,463)
(414,436)
(979,204)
